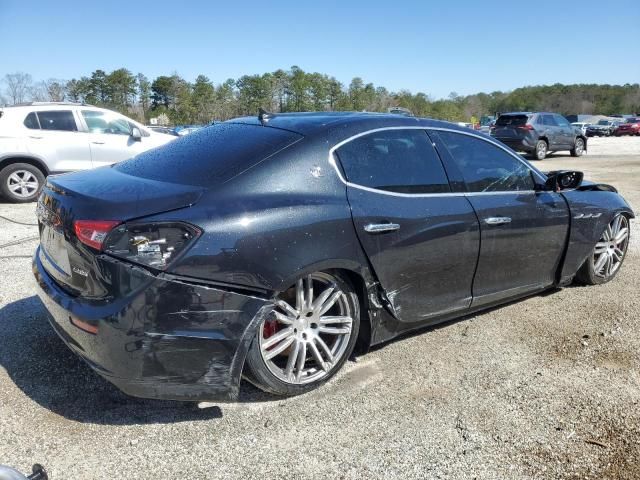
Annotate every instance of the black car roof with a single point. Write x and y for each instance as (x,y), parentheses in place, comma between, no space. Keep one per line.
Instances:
(308,123)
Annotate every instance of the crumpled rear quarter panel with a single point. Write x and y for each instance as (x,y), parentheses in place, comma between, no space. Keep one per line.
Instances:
(159,337)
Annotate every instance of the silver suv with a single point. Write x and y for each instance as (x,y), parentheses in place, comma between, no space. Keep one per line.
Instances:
(40,139)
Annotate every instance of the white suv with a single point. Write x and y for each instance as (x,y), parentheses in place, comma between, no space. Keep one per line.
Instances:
(40,139)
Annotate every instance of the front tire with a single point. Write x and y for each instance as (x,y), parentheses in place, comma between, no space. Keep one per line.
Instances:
(606,258)
(21,182)
(578,148)
(541,150)
(307,337)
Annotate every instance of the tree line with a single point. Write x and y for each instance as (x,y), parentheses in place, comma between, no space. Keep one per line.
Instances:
(202,101)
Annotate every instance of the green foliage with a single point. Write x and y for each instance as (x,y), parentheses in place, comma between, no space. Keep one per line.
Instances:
(296,90)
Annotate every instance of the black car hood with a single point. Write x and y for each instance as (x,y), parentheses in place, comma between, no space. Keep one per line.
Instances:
(587,185)
(106,193)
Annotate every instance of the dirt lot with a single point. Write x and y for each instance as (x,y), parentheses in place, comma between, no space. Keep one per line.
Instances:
(548,387)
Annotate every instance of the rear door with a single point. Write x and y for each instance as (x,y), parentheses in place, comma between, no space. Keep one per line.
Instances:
(565,131)
(552,131)
(53,136)
(421,239)
(523,231)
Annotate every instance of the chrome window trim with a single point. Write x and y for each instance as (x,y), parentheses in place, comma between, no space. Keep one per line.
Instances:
(333,163)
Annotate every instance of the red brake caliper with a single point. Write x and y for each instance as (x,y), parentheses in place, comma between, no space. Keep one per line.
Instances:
(270,328)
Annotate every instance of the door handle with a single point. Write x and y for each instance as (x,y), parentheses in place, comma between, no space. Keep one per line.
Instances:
(35,137)
(98,143)
(497,220)
(381,227)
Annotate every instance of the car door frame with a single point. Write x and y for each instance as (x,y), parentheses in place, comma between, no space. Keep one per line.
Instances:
(566,131)
(428,317)
(44,143)
(458,184)
(94,139)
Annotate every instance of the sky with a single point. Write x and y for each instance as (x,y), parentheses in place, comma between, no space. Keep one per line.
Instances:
(435,47)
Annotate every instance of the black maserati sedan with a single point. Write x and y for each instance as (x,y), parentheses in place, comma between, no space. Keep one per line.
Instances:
(272,247)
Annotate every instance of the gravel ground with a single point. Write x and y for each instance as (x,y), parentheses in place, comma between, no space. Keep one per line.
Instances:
(547,387)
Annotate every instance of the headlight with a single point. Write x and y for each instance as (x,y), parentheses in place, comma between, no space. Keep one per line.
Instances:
(154,245)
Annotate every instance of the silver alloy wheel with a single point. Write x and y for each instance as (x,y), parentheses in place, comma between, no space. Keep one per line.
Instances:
(611,248)
(22,183)
(541,150)
(306,335)
(579,146)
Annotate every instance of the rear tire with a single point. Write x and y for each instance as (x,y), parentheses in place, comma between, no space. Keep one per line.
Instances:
(578,148)
(541,150)
(21,182)
(318,343)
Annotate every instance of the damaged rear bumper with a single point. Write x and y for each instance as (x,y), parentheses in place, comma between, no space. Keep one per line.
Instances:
(166,338)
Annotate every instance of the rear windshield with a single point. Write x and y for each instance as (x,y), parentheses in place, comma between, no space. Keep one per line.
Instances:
(209,155)
(512,120)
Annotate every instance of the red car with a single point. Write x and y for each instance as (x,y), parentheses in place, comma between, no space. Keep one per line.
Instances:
(631,127)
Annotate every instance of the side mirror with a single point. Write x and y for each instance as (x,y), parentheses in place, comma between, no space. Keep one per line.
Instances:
(136,134)
(563,180)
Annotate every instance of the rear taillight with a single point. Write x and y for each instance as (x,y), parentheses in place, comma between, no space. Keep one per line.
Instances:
(525,127)
(93,232)
(154,245)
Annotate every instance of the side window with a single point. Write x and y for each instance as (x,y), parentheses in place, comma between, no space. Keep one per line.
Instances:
(561,121)
(549,121)
(31,121)
(485,167)
(103,122)
(402,161)
(57,120)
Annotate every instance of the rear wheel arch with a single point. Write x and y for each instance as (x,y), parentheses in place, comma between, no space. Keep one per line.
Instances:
(39,164)
(364,334)
(21,179)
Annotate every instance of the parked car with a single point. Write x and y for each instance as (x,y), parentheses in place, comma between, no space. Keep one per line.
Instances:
(616,125)
(603,128)
(486,122)
(283,242)
(538,133)
(160,129)
(582,126)
(630,127)
(182,130)
(39,139)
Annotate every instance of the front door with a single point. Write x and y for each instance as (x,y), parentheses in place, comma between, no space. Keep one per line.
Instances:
(523,232)
(421,239)
(109,137)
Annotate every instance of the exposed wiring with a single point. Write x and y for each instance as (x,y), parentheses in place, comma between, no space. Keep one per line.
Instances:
(19,241)
(18,223)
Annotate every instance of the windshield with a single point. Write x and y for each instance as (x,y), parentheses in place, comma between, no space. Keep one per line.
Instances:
(209,155)
(603,122)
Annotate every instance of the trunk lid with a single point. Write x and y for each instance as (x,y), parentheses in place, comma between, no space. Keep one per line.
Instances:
(102,194)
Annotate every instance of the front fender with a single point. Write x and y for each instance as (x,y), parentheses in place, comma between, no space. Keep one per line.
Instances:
(590,213)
